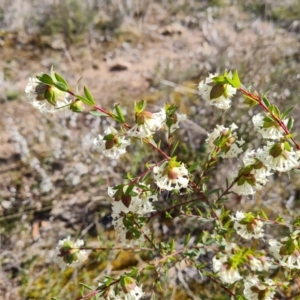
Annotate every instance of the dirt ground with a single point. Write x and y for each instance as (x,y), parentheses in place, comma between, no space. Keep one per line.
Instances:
(52,182)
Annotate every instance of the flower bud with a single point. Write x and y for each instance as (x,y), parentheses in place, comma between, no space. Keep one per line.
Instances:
(50,96)
(129,284)
(140,118)
(173,173)
(77,106)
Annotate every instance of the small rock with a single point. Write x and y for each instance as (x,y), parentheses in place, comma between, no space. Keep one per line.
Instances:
(119,66)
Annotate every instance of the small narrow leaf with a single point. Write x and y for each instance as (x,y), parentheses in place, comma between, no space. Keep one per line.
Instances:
(61,86)
(85,100)
(89,96)
(98,113)
(44,78)
(174,148)
(86,286)
(61,79)
(286,113)
(140,106)
(193,167)
(290,123)
(236,79)
(217,91)
(120,114)
(265,101)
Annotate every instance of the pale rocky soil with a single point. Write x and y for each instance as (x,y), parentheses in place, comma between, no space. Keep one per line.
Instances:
(52,183)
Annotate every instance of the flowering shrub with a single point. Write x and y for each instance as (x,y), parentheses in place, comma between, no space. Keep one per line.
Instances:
(242,258)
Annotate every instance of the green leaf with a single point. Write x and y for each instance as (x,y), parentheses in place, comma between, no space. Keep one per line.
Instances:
(86,286)
(275,110)
(286,113)
(120,114)
(140,106)
(98,113)
(193,167)
(236,79)
(219,80)
(129,189)
(61,79)
(187,239)
(89,96)
(217,91)
(265,101)
(61,86)
(85,100)
(44,78)
(290,123)
(77,85)
(174,148)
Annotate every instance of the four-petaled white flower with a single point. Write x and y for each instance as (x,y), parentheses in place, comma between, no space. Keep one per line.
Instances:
(171,178)
(255,289)
(223,101)
(34,95)
(231,147)
(111,144)
(247,226)
(69,253)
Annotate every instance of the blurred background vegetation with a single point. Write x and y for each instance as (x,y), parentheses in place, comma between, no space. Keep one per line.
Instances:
(53,183)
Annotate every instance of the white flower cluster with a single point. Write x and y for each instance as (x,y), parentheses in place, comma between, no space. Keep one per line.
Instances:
(33,97)
(222,266)
(232,147)
(255,289)
(139,205)
(287,251)
(69,253)
(174,179)
(113,147)
(135,294)
(150,124)
(247,229)
(277,154)
(223,101)
(272,130)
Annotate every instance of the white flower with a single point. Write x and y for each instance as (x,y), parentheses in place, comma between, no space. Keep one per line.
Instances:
(290,260)
(43,105)
(171,178)
(226,272)
(273,131)
(135,294)
(232,147)
(253,228)
(114,146)
(261,171)
(281,159)
(179,118)
(222,102)
(254,175)
(69,253)
(260,264)
(140,205)
(147,124)
(254,289)
(243,189)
